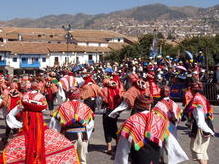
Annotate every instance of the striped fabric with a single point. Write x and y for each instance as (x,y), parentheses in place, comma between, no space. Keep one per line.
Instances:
(65,83)
(201,102)
(74,111)
(144,126)
(131,94)
(89,91)
(154,89)
(187,97)
(168,109)
(68,82)
(35,97)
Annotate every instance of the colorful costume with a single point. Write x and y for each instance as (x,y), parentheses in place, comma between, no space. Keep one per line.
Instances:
(143,136)
(89,91)
(36,143)
(111,96)
(139,87)
(202,114)
(154,89)
(76,120)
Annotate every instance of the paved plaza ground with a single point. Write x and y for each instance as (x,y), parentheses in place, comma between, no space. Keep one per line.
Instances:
(97,144)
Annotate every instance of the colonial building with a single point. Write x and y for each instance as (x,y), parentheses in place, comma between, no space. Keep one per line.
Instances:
(37,48)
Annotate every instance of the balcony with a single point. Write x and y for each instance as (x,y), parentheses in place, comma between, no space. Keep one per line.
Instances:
(30,65)
(2,63)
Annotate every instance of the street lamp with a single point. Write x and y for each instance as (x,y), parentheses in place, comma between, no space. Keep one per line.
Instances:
(68,35)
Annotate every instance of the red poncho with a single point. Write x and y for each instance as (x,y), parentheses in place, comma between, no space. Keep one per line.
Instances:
(145,125)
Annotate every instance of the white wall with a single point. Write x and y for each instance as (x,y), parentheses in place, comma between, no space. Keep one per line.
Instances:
(84,57)
(13,64)
(16,65)
(93,44)
(61,57)
(116,40)
(82,44)
(50,58)
(103,44)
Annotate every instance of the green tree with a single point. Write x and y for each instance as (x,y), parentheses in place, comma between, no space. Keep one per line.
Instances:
(207,44)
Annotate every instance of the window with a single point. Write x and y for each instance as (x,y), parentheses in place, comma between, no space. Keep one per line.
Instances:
(119,39)
(12,39)
(66,59)
(24,60)
(100,58)
(34,60)
(51,36)
(90,57)
(39,36)
(56,59)
(14,59)
(44,59)
(56,62)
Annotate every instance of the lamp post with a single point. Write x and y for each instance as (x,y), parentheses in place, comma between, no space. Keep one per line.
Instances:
(68,35)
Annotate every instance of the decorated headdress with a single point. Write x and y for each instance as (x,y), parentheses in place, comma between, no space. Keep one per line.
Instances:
(141,84)
(74,94)
(143,102)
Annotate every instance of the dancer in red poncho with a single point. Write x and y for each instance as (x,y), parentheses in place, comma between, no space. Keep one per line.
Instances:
(111,96)
(36,144)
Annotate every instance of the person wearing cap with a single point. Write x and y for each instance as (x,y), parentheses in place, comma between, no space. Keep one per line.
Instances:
(76,120)
(201,112)
(143,134)
(168,109)
(67,81)
(89,91)
(154,88)
(36,143)
(187,96)
(50,90)
(139,87)
(112,98)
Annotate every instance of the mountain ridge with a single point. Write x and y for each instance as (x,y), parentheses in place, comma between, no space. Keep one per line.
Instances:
(110,21)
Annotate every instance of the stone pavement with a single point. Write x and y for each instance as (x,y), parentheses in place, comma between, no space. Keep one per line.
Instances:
(97,143)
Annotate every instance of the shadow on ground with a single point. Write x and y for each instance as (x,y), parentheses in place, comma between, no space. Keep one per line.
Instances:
(99,148)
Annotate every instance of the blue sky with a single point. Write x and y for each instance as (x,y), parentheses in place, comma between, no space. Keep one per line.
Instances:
(10,9)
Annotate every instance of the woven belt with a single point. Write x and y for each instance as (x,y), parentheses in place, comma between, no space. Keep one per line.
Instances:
(76,130)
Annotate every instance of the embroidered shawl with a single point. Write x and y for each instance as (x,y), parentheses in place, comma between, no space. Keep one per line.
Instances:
(143,127)
(74,111)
